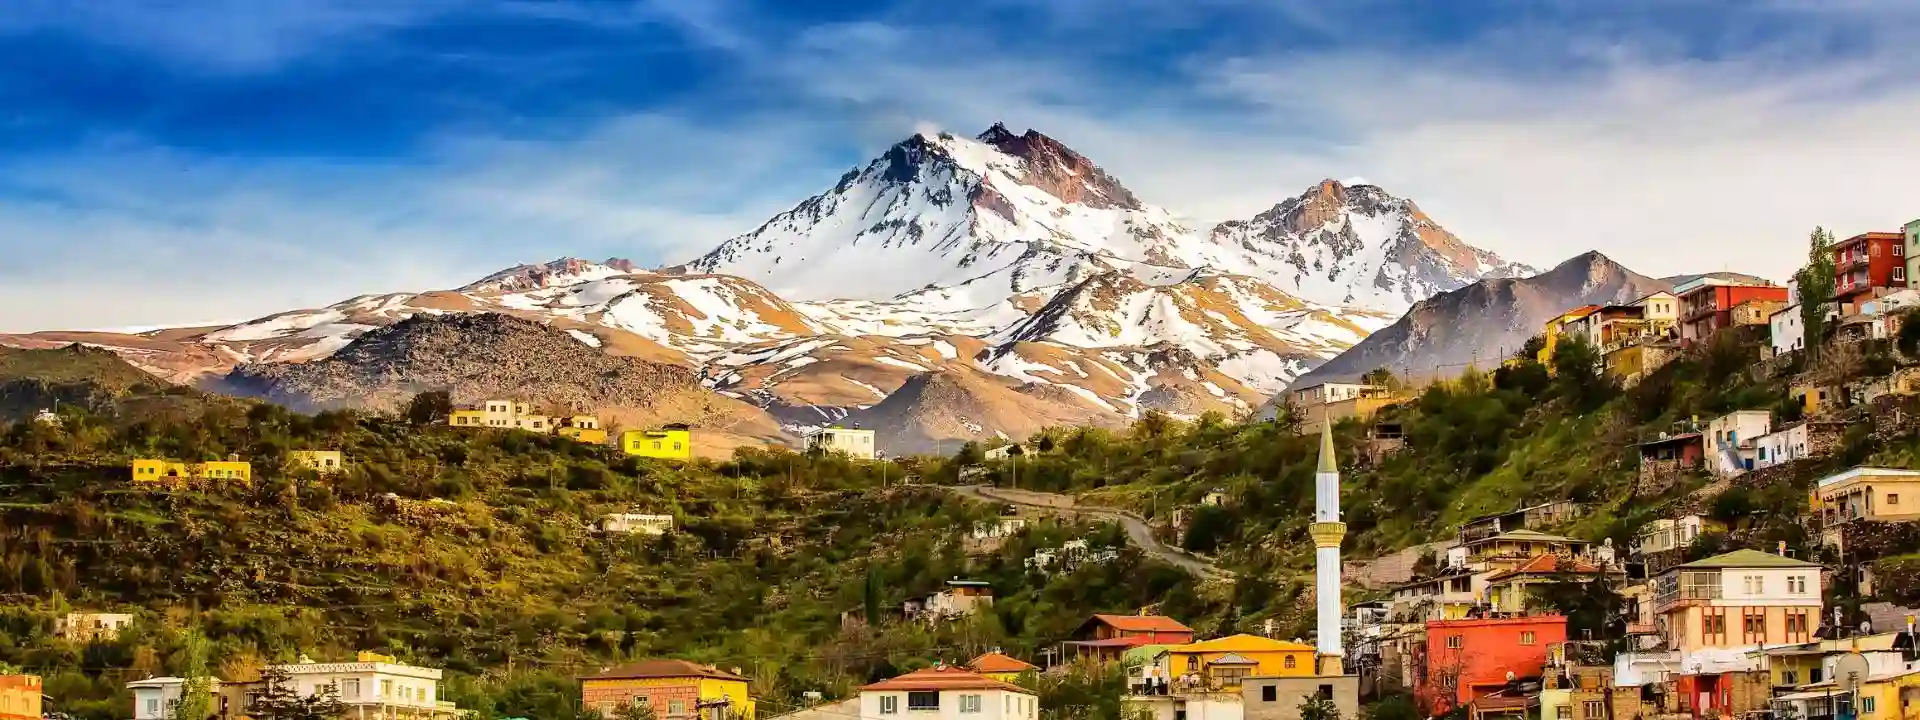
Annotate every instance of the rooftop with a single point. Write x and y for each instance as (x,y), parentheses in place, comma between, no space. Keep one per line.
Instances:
(1745,559)
(1240,644)
(1861,472)
(647,669)
(944,678)
(1524,535)
(994,662)
(1140,623)
(1551,565)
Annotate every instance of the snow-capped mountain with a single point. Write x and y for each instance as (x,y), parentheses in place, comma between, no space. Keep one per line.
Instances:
(1005,278)
(1356,246)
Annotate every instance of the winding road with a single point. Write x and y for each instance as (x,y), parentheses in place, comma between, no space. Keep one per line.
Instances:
(1137,529)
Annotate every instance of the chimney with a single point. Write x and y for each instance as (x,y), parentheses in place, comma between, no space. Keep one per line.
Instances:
(1783,547)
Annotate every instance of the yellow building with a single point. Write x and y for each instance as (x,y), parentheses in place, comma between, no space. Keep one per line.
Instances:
(673,688)
(502,414)
(148,470)
(20,697)
(1000,666)
(582,428)
(1551,333)
(1225,662)
(325,462)
(672,442)
(1816,399)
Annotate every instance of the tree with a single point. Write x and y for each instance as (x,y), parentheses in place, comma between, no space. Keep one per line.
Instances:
(871,597)
(1319,707)
(429,407)
(634,711)
(1382,377)
(1577,372)
(1815,283)
(196,695)
(278,700)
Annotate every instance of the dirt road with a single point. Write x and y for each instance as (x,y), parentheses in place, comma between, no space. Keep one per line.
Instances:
(1137,529)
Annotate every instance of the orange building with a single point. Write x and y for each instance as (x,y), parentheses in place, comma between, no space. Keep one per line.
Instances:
(20,697)
(1465,659)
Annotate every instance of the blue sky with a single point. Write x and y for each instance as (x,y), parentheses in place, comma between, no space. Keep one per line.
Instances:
(181,161)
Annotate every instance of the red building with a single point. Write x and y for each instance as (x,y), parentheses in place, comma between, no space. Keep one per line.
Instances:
(1865,262)
(1465,659)
(1707,305)
(1107,637)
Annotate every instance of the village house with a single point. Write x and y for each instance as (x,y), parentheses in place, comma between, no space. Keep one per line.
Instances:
(502,415)
(1786,331)
(1707,305)
(581,429)
(1731,440)
(1333,402)
(948,693)
(1003,452)
(374,687)
(1463,660)
(1666,457)
(673,689)
(960,599)
(175,472)
(1511,591)
(636,523)
(1535,517)
(1866,266)
(1635,339)
(1223,663)
(1864,494)
(853,442)
(1670,534)
(1797,441)
(1715,616)
(1106,637)
(158,698)
(20,697)
(86,627)
(1555,329)
(670,442)
(1000,666)
(324,462)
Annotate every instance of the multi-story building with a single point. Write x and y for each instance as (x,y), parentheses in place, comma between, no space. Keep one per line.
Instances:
(1715,617)
(1332,402)
(1670,534)
(947,693)
(1865,494)
(1555,329)
(1731,440)
(1664,458)
(1911,233)
(670,442)
(855,443)
(1707,304)
(373,686)
(1222,663)
(324,462)
(673,689)
(1107,637)
(1465,659)
(502,414)
(158,698)
(20,697)
(1866,265)
(1511,591)
(960,599)
(174,472)
(1531,517)
(86,627)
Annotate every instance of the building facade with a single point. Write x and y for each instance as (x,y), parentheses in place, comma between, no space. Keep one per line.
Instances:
(1107,637)
(1707,304)
(670,442)
(174,472)
(324,462)
(1000,666)
(1465,659)
(373,686)
(1731,440)
(1865,494)
(636,523)
(854,443)
(85,627)
(1866,262)
(20,697)
(672,688)
(947,693)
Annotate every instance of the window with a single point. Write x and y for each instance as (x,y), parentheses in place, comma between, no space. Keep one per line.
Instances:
(386,688)
(969,704)
(1326,692)
(1753,624)
(1288,663)
(1714,626)
(1789,677)
(1269,693)
(923,700)
(889,704)
(1899,273)
(1456,642)
(1866,704)
(676,707)
(1797,584)
(656,444)
(1596,709)
(1893,498)
(676,445)
(1193,663)
(1526,638)
(638,700)
(153,706)
(350,689)
(1564,712)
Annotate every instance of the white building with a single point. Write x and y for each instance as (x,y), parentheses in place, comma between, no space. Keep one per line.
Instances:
(157,698)
(1667,534)
(1002,452)
(960,599)
(374,687)
(857,444)
(1788,334)
(947,693)
(90,627)
(998,528)
(1324,393)
(1783,445)
(1730,440)
(631,523)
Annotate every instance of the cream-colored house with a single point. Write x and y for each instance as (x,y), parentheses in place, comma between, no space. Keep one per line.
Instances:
(92,627)
(631,523)
(856,443)
(325,462)
(374,687)
(1865,493)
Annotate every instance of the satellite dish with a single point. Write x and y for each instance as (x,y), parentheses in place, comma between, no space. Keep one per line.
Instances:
(1850,669)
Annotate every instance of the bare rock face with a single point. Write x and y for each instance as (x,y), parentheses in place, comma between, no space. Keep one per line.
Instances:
(1060,171)
(472,356)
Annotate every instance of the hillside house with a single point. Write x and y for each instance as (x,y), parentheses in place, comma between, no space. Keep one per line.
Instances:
(20,697)
(1664,458)
(1509,591)
(998,528)
(1555,328)
(1533,517)
(1106,637)
(374,686)
(1670,534)
(1797,441)
(1731,445)
(86,627)
(1000,666)
(1865,494)
(581,429)
(158,698)
(636,523)
(670,442)
(673,689)
(1707,305)
(1464,660)
(1866,264)
(1224,663)
(854,443)
(948,693)
(502,415)
(1333,402)
(324,462)
(1004,451)
(175,472)
(960,599)
(1786,332)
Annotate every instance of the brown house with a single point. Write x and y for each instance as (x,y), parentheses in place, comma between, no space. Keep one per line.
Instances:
(1106,637)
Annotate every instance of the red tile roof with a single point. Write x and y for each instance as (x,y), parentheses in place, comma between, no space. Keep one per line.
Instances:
(1550,565)
(944,678)
(994,662)
(663,669)
(1142,623)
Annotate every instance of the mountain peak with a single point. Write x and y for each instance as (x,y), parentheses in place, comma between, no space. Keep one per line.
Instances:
(559,272)
(1058,170)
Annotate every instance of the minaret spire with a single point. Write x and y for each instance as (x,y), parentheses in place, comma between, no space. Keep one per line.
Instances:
(1327,532)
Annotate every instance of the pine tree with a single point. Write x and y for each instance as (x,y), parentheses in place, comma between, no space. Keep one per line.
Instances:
(278,700)
(1816,283)
(196,695)
(872,598)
